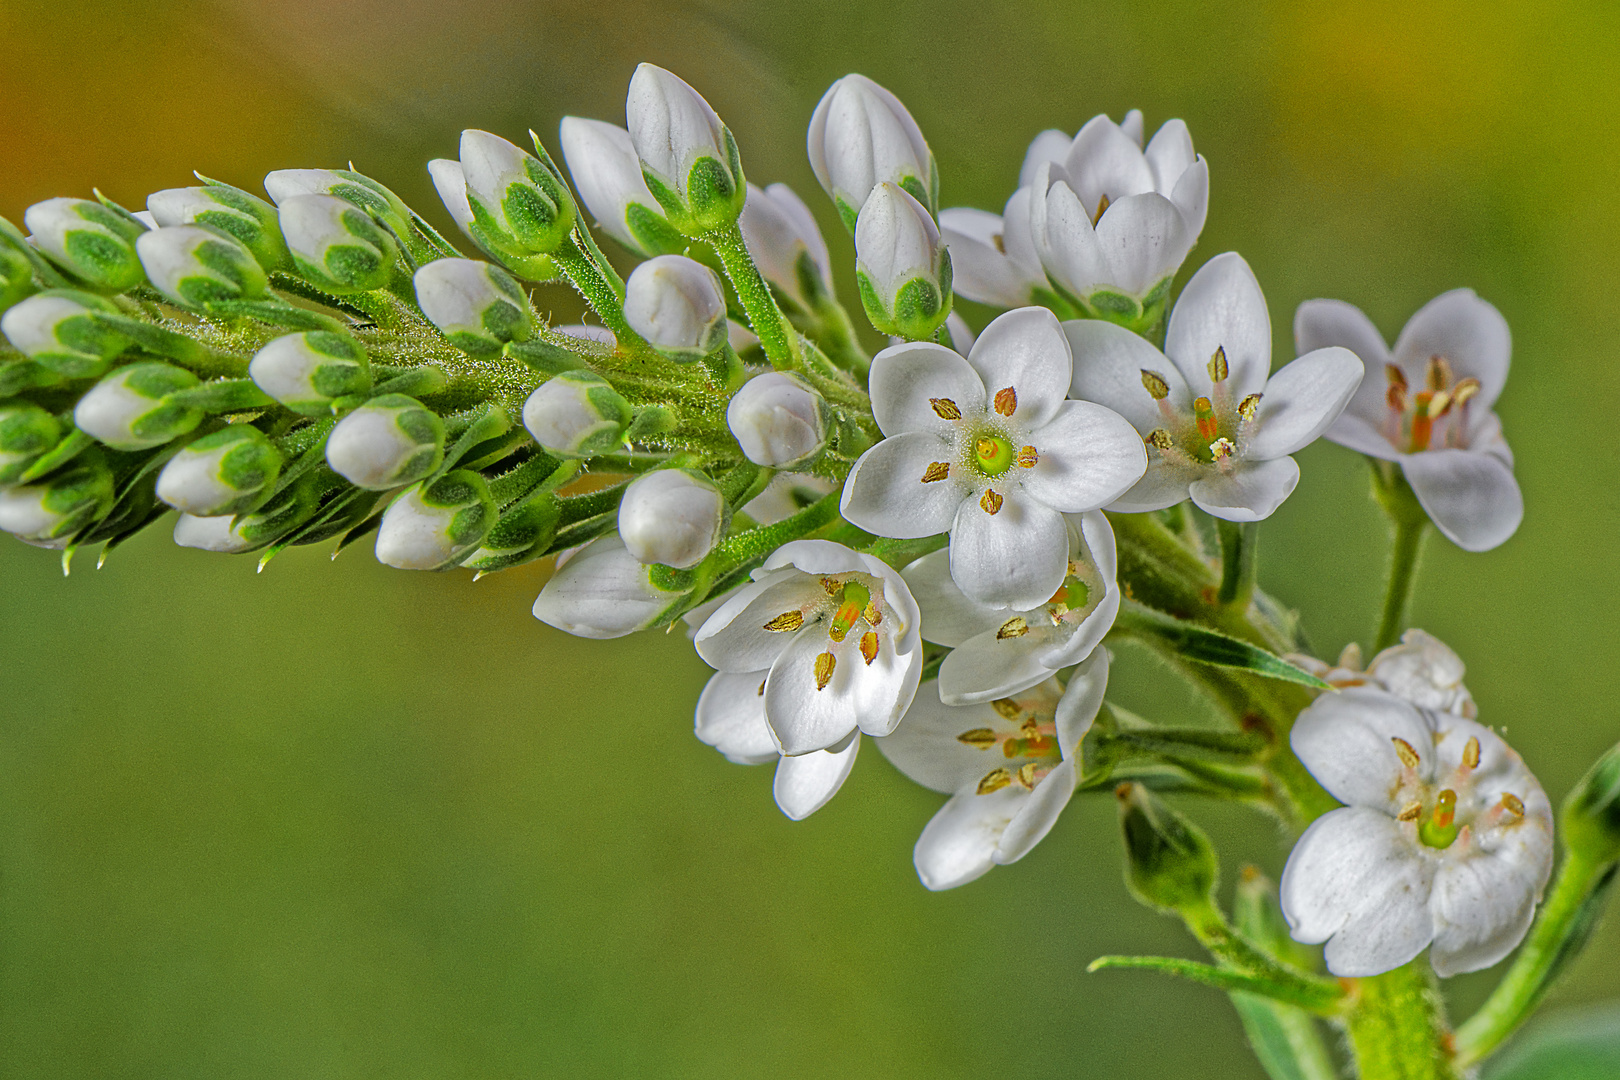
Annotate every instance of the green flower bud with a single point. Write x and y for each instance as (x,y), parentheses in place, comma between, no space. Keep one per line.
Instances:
(476,305)
(577,414)
(129,410)
(688,156)
(251,220)
(57,508)
(226,472)
(434,525)
(26,432)
(1591,814)
(306,372)
(93,242)
(57,329)
(16,275)
(1169,863)
(335,245)
(352,187)
(388,441)
(519,203)
(903,269)
(194,266)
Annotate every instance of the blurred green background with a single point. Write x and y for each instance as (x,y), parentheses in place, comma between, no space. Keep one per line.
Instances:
(333,820)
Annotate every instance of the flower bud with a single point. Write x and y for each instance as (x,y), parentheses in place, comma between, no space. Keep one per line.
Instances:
(522,534)
(786,244)
(778,420)
(225,472)
(689,159)
(388,441)
(194,266)
(335,245)
(57,329)
(93,242)
(210,534)
(129,410)
(16,275)
(519,203)
(251,220)
(26,432)
(352,187)
(672,516)
(577,414)
(1591,814)
(306,372)
(1169,863)
(57,508)
(861,136)
(678,305)
(607,174)
(476,305)
(431,526)
(603,592)
(451,184)
(902,267)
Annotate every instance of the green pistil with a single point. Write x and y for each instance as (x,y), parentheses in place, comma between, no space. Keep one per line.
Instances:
(1073,593)
(1439,829)
(992,454)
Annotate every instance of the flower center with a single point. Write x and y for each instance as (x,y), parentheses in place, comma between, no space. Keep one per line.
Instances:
(1435,816)
(1213,432)
(993,454)
(1439,829)
(1027,738)
(848,601)
(1434,416)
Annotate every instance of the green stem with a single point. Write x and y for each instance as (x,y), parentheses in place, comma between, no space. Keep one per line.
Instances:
(1238,542)
(1561,930)
(1410,524)
(590,282)
(776,335)
(1397,1028)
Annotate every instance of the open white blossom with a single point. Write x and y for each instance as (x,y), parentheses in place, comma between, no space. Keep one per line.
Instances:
(1431,412)
(837,631)
(1218,429)
(995,651)
(988,448)
(1446,842)
(1008,765)
(1422,669)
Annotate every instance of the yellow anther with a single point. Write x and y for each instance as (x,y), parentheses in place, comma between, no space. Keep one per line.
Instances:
(1159,439)
(980,738)
(1512,804)
(994,780)
(937,470)
(1222,448)
(1439,404)
(1102,208)
(1438,375)
(1218,369)
(831,586)
(1000,244)
(1249,407)
(1006,401)
(1471,752)
(788,620)
(1464,390)
(1013,627)
(1395,376)
(1027,457)
(1395,396)
(1155,385)
(869,647)
(1204,417)
(1026,776)
(871,614)
(1404,751)
(761,691)
(990,503)
(1410,812)
(1031,728)
(945,408)
(1006,708)
(824,669)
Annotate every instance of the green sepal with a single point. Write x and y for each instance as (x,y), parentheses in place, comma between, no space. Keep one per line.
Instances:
(13,240)
(276,313)
(1205,646)
(74,443)
(1320,1001)
(183,350)
(223,396)
(19,375)
(477,427)
(653,232)
(412,382)
(545,356)
(1169,862)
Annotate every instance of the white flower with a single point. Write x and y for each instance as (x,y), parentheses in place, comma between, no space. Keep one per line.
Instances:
(993,257)
(1446,838)
(901,264)
(433,525)
(1217,429)
(987,448)
(786,244)
(602,592)
(1422,669)
(778,420)
(860,136)
(1431,412)
(307,371)
(576,414)
(995,651)
(671,516)
(607,174)
(1009,767)
(837,631)
(224,472)
(677,304)
(675,133)
(731,718)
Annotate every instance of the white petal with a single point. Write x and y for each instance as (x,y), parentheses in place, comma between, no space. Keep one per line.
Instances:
(802,717)
(1356,433)
(1356,881)
(1089,455)
(1191,196)
(925,746)
(949,617)
(1099,538)
(1038,814)
(1081,699)
(1471,497)
(984,668)
(1025,350)
(1301,401)
(1103,160)
(1320,324)
(1346,740)
(1019,241)
(1252,492)
(735,639)
(603,592)
(1016,557)
(1169,154)
(805,783)
(905,378)
(1482,906)
(824,557)
(1131,124)
(959,843)
(1064,237)
(1108,365)
(1085,637)
(1050,145)
(979,269)
(1222,307)
(731,717)
(1468,332)
(887,495)
(1143,239)
(1162,486)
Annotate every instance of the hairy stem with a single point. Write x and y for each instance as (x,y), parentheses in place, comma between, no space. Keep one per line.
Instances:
(592,283)
(1238,542)
(1397,1027)
(776,336)
(1410,524)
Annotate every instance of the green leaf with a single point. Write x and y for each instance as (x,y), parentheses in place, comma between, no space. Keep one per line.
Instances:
(1320,1001)
(1209,646)
(1578,1045)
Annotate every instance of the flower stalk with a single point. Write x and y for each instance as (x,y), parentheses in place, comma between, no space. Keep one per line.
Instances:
(1409,524)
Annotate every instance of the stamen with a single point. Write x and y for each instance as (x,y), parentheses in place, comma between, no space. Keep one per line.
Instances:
(831,586)
(1006,708)
(1013,627)
(761,691)
(1395,396)
(1439,405)
(1471,753)
(1438,376)
(1249,407)
(1513,804)
(945,408)
(1204,416)
(872,615)
(1218,369)
(1102,208)
(824,669)
(1422,423)
(1026,776)
(994,780)
(1222,448)
(856,598)
(980,738)
(991,501)
(1155,384)
(1465,390)
(1000,245)
(1395,376)
(1441,830)
(937,470)
(788,620)
(1404,751)
(869,647)
(1006,401)
(1159,439)
(1027,457)
(1410,811)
